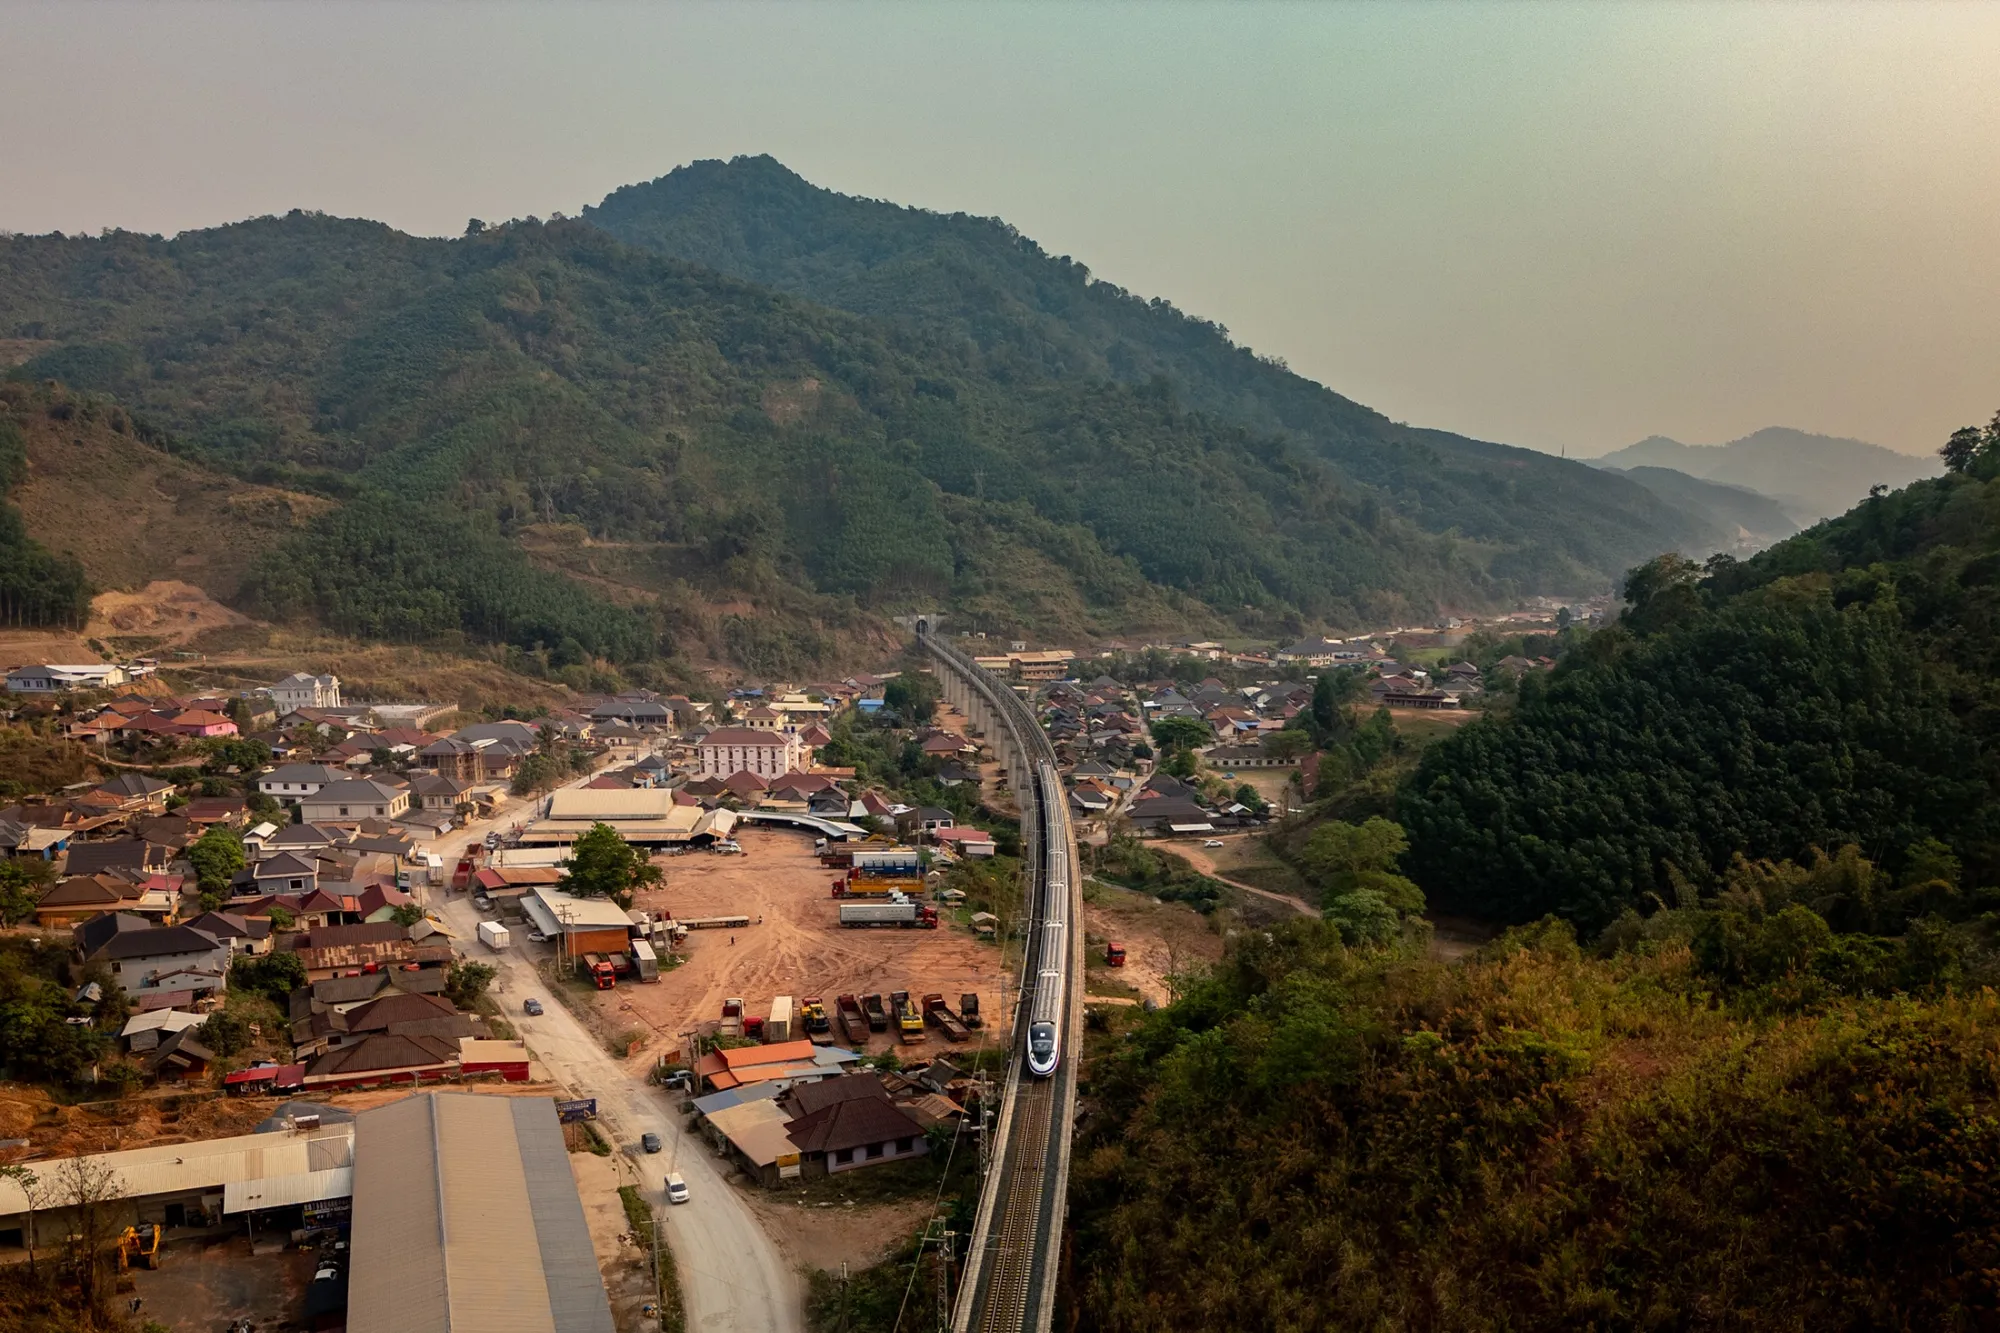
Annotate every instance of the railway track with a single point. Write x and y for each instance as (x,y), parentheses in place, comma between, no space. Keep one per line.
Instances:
(1008,1282)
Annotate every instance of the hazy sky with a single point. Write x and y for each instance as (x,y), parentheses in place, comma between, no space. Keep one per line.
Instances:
(1554,225)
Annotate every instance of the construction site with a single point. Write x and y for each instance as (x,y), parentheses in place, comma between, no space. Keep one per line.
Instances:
(814,929)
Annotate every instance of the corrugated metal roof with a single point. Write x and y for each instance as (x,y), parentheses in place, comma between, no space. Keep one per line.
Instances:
(466,1216)
(182,1168)
(240,1196)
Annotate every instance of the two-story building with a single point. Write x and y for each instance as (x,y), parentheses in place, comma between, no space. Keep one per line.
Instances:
(292,783)
(300,690)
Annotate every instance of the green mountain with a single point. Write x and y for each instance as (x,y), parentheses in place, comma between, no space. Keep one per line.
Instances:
(546,436)
(1811,476)
(1741,521)
(978,286)
(1838,689)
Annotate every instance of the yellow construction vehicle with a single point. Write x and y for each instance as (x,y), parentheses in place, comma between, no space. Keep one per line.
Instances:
(139,1247)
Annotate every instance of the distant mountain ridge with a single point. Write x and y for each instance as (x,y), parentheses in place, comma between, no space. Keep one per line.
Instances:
(1744,521)
(1812,476)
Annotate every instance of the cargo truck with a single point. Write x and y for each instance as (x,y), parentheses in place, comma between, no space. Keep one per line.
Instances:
(906,914)
(853,1023)
(602,974)
(494,935)
(644,961)
(778,1027)
(1114,954)
(711,922)
(968,1009)
(732,1018)
(938,1014)
(878,1017)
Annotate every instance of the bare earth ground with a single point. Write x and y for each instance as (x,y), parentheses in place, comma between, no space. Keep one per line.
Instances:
(201,1285)
(1160,939)
(799,950)
(826,1235)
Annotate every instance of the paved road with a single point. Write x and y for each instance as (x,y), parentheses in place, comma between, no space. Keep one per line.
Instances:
(732,1277)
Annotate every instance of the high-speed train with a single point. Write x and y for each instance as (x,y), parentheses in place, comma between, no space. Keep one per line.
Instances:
(1045,1016)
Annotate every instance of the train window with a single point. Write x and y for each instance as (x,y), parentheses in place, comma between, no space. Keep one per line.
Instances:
(1041,1038)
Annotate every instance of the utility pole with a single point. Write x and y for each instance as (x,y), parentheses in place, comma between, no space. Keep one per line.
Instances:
(944,1279)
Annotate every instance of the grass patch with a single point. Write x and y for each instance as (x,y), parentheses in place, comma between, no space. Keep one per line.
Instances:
(583,1136)
(673,1318)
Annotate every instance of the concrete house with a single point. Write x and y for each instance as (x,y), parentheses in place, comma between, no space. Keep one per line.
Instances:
(356,798)
(292,783)
(730,750)
(169,957)
(300,690)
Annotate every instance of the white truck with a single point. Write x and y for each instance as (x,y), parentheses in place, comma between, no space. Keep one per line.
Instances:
(494,935)
(899,911)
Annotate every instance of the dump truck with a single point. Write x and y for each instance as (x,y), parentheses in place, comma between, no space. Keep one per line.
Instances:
(909,1019)
(494,936)
(644,961)
(968,1010)
(878,1017)
(812,1015)
(853,1023)
(906,913)
(1114,954)
(938,1014)
(732,1018)
(778,1027)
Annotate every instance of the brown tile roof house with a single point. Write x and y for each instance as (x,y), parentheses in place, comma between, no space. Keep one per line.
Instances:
(330,949)
(384,1057)
(853,1126)
(80,897)
(90,858)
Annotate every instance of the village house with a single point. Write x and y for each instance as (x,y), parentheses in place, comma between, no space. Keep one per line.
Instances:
(177,958)
(292,783)
(59,679)
(356,798)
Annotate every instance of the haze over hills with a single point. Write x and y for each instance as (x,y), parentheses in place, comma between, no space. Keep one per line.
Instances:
(1811,476)
(612,438)
(1743,520)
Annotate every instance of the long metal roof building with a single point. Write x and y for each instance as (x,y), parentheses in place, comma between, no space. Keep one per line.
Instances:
(466,1218)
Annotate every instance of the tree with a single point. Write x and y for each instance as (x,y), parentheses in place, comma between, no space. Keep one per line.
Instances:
(408,914)
(1963,446)
(1354,867)
(84,1187)
(466,981)
(1331,691)
(604,865)
(273,975)
(913,695)
(226,1032)
(216,857)
(22,882)
(36,1193)
(1291,743)
(1181,733)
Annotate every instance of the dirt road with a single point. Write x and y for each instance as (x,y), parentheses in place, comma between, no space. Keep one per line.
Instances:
(732,1275)
(1205,863)
(733,1278)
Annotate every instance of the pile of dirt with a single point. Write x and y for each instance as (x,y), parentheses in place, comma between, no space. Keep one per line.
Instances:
(165,611)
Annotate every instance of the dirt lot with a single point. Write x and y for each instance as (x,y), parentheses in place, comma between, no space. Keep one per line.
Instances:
(799,950)
(827,1234)
(1160,939)
(201,1285)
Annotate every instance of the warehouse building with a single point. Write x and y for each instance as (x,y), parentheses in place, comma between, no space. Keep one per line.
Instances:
(466,1217)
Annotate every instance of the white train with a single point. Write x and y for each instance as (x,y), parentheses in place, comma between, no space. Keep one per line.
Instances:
(1045,1016)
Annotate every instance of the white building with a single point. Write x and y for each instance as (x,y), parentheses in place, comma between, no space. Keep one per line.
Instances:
(727,751)
(300,690)
(52,679)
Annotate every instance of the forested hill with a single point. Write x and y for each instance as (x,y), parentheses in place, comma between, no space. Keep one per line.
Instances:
(1841,689)
(978,283)
(539,435)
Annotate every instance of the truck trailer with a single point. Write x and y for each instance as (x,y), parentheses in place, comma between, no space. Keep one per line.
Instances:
(938,1014)
(644,961)
(778,1027)
(853,1023)
(494,936)
(906,914)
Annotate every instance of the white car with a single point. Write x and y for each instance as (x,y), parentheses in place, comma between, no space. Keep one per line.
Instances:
(677,1189)
(1213,842)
